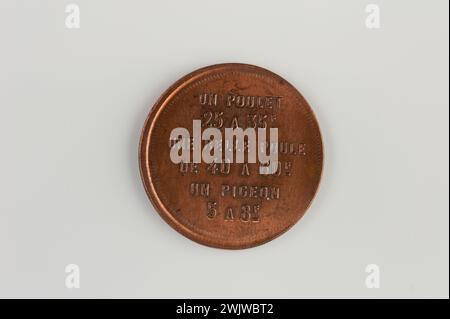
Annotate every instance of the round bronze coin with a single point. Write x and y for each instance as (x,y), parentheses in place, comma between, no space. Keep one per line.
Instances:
(229,203)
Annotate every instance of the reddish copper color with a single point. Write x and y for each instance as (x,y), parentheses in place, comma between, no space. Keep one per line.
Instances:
(231,205)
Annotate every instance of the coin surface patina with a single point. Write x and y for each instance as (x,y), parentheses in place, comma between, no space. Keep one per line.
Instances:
(231,204)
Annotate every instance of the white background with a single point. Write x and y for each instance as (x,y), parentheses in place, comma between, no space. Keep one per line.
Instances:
(73,101)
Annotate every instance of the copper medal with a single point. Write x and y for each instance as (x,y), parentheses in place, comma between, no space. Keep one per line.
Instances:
(230,203)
